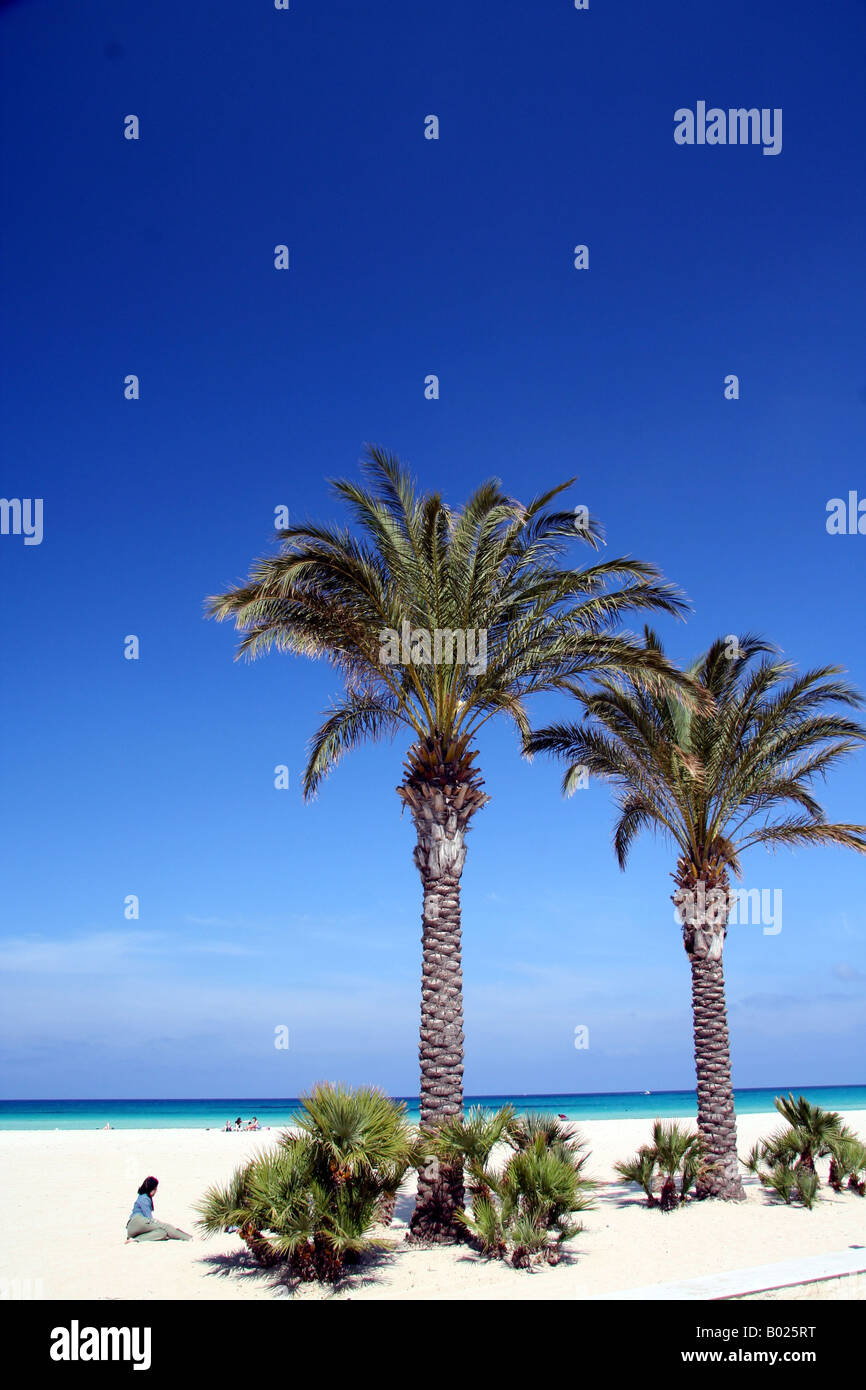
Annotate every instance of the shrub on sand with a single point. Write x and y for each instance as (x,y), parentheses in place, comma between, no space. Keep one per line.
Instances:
(674,1153)
(313,1199)
(526,1208)
(785,1162)
(848,1160)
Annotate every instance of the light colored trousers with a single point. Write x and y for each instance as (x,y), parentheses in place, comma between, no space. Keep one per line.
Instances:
(137,1228)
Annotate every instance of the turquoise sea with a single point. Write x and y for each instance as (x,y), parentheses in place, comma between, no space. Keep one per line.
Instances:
(212,1114)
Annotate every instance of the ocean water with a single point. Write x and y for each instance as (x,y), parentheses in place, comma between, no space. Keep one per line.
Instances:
(212,1114)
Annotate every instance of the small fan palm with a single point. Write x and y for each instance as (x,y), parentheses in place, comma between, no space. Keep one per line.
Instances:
(674,1152)
(557,1135)
(785,1162)
(807,1186)
(782,1180)
(396,609)
(640,1170)
(783,1147)
(471,1140)
(313,1199)
(812,1129)
(715,778)
(782,1172)
(677,1151)
(847,1160)
(527,1207)
(540,1190)
(233,1205)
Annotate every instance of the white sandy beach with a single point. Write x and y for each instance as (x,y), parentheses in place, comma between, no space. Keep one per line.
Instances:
(66,1196)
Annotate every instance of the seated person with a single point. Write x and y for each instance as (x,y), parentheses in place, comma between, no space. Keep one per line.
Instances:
(141,1225)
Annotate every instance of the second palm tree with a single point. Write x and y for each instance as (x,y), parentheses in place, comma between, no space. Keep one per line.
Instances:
(715,776)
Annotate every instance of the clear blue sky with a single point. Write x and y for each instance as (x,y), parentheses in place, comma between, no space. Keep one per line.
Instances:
(408,257)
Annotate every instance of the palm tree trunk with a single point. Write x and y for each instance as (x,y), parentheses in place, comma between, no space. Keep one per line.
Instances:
(717,1119)
(439,857)
(443,791)
(669,1199)
(259,1245)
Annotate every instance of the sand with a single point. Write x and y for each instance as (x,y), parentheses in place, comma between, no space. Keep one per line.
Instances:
(66,1196)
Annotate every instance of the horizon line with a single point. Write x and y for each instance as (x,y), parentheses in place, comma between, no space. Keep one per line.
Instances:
(490,1095)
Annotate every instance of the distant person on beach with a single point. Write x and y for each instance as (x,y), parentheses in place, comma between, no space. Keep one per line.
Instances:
(228,1127)
(253,1124)
(141,1225)
(239,1124)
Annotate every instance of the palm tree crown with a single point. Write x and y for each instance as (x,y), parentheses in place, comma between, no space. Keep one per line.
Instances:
(491,568)
(720,775)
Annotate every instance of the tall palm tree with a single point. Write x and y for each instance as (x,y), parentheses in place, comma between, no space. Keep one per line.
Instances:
(489,576)
(715,778)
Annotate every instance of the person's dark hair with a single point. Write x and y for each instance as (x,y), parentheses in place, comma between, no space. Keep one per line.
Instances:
(149,1185)
(238,1121)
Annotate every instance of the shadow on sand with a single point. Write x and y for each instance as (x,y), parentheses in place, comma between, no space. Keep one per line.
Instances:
(278,1282)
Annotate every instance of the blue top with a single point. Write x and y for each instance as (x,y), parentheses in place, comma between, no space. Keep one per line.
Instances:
(143,1207)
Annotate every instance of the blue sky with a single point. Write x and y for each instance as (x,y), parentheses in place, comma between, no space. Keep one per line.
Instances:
(408,257)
